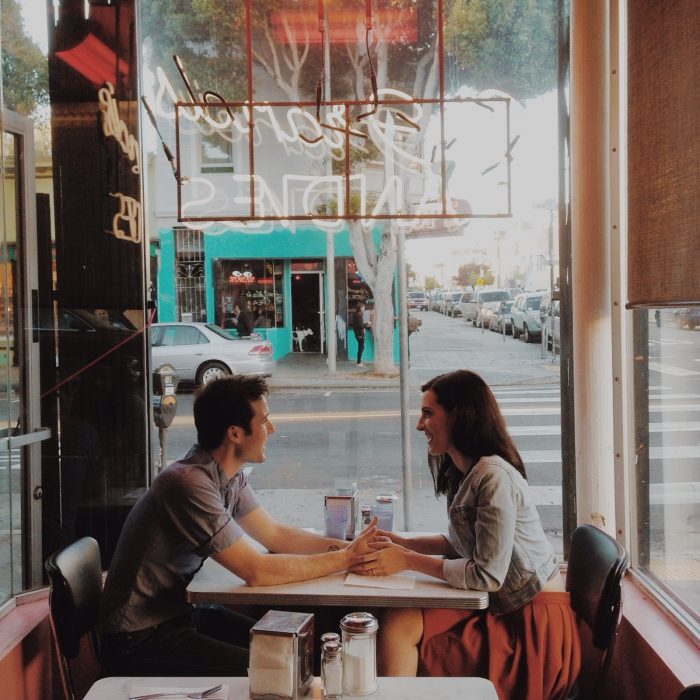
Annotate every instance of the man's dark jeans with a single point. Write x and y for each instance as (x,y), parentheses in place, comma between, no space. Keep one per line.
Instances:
(211,641)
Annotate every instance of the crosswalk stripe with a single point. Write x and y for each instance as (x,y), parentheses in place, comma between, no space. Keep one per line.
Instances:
(670,369)
(668,493)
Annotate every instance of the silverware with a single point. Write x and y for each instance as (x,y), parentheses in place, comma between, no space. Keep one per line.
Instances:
(178,694)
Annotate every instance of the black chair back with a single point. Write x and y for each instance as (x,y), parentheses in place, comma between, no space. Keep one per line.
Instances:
(597,564)
(75,574)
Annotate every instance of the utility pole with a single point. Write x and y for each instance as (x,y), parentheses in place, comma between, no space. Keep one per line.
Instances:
(331,345)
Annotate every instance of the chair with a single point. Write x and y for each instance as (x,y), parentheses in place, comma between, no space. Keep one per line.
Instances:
(75,574)
(597,564)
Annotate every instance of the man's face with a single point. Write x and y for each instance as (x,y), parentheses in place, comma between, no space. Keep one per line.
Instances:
(252,447)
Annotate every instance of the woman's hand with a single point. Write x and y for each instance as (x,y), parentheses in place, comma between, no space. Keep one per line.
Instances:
(384,558)
(388,535)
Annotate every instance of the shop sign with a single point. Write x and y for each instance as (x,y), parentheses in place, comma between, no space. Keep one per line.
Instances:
(242,277)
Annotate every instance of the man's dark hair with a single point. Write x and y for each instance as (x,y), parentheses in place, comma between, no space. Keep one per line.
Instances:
(225,402)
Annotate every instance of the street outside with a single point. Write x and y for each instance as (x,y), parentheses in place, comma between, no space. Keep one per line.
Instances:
(337,431)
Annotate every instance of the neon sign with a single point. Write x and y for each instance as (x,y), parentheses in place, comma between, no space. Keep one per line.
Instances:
(126,223)
(242,277)
(407,187)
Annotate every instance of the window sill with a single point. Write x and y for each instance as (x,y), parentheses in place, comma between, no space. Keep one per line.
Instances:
(666,639)
(20,616)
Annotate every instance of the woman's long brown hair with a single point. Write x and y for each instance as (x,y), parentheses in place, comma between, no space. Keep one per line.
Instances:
(479,429)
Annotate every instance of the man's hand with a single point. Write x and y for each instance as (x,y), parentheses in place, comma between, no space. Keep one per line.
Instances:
(361,544)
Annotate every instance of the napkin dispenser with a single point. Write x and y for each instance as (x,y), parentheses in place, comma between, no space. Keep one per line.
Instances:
(281,655)
(344,498)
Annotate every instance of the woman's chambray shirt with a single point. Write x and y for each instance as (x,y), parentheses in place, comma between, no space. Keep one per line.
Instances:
(188,514)
(496,531)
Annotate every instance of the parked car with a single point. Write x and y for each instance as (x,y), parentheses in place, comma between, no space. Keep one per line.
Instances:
(550,317)
(452,304)
(201,352)
(446,298)
(418,300)
(497,319)
(688,318)
(466,298)
(471,310)
(525,314)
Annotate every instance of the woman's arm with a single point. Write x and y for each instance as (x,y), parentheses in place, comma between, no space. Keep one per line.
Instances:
(493,521)
(423,544)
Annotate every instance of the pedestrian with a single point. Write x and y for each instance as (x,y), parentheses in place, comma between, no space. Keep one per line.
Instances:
(358,325)
(527,641)
(244,322)
(201,506)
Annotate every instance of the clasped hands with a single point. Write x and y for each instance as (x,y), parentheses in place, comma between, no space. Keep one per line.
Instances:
(377,552)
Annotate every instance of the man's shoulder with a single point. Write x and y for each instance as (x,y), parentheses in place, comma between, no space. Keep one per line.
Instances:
(195,467)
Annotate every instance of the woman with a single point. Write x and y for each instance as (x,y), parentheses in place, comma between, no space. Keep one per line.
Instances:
(527,642)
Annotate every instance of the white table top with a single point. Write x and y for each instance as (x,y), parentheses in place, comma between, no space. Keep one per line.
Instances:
(215,584)
(119,688)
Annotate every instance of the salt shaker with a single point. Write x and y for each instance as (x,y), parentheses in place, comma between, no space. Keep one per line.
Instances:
(359,633)
(328,637)
(332,670)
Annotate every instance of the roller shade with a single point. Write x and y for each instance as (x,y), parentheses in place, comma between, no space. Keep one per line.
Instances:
(664,153)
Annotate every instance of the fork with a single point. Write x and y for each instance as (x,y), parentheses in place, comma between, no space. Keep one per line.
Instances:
(175,694)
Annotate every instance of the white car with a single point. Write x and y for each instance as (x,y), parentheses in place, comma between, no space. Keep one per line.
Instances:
(525,314)
(200,352)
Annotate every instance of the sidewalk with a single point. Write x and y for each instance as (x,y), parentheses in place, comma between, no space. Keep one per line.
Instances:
(498,362)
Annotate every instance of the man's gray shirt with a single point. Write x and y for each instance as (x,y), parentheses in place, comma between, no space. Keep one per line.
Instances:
(188,514)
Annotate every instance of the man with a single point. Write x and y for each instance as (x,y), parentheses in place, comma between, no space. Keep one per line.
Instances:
(201,506)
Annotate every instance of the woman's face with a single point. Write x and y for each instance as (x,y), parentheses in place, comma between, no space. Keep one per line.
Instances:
(436,423)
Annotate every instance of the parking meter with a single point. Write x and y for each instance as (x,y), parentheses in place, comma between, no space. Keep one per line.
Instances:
(165,381)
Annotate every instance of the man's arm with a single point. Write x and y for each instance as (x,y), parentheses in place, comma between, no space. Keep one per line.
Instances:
(282,539)
(262,569)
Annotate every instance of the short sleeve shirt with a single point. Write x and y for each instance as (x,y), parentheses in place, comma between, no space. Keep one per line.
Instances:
(188,514)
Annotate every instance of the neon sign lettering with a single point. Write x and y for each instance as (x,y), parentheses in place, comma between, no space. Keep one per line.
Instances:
(114,126)
(246,277)
(209,201)
(129,213)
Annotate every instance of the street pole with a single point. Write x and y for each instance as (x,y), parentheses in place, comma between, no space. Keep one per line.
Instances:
(551,250)
(331,345)
(399,237)
(404,378)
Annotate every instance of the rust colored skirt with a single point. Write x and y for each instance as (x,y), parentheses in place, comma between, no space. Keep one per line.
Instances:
(533,653)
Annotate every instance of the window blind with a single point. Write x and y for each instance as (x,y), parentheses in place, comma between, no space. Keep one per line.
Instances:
(664,153)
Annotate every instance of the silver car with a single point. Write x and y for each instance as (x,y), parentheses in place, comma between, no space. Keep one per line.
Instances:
(201,352)
(525,314)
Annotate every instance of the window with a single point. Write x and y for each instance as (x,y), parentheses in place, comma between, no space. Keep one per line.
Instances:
(181,335)
(254,286)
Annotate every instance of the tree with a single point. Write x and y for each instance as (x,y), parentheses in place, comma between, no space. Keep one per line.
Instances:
(25,75)
(431,283)
(469,274)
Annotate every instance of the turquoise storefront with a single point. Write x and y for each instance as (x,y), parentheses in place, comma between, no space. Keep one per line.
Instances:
(196,271)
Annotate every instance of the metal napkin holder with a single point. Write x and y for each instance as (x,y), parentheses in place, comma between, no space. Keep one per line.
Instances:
(283,642)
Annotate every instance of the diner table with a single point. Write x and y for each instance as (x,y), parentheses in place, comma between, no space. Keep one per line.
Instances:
(215,584)
(233,688)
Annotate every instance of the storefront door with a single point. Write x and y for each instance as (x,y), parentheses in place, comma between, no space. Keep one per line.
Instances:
(20,431)
(308,312)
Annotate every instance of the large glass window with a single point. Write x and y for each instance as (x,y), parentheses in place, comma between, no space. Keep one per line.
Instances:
(667,426)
